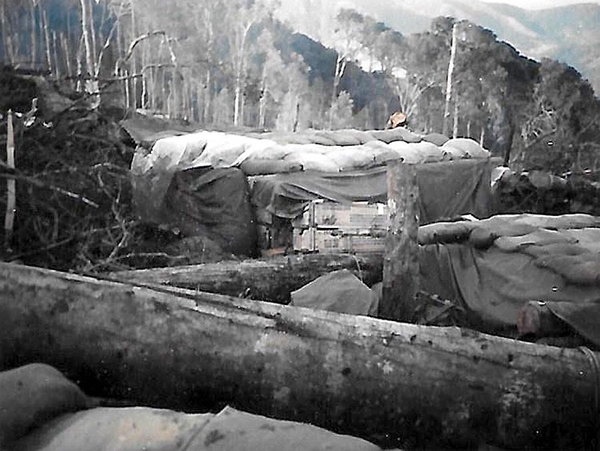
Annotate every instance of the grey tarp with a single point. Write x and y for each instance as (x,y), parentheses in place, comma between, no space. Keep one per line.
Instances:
(213,203)
(446,189)
(493,282)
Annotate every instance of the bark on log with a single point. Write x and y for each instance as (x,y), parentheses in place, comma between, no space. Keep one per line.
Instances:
(391,383)
(401,259)
(265,280)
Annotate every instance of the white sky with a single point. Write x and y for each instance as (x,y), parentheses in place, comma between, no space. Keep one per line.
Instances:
(540,4)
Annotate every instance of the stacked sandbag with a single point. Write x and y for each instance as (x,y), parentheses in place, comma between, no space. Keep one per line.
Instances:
(222,149)
(459,148)
(353,158)
(140,428)
(566,244)
(32,395)
(310,150)
(40,410)
(397,134)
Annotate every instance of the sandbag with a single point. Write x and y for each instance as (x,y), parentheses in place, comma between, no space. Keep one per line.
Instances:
(312,161)
(116,429)
(33,394)
(408,153)
(254,166)
(587,237)
(568,248)
(467,145)
(353,158)
(232,430)
(262,149)
(582,269)
(139,428)
(339,291)
(428,153)
(445,232)
(567,221)
(223,149)
(436,138)
(484,235)
(383,153)
(341,137)
(396,134)
(540,237)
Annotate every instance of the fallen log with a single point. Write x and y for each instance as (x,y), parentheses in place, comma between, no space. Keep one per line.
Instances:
(265,280)
(391,383)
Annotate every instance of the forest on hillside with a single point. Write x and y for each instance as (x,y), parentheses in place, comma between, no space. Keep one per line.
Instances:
(232,65)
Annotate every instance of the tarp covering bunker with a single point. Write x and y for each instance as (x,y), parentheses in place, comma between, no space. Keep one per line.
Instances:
(496,266)
(445,190)
(195,182)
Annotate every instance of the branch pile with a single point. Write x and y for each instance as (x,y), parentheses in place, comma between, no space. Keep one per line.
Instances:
(542,192)
(73,191)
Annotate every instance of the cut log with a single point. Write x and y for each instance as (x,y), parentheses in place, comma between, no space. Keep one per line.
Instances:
(537,320)
(391,383)
(401,259)
(265,280)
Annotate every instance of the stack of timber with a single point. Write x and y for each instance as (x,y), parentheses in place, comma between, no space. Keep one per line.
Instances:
(392,383)
(330,227)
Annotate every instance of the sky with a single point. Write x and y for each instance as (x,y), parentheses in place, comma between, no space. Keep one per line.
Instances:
(540,4)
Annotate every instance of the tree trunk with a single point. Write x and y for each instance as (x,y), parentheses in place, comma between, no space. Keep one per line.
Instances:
(340,68)
(401,259)
(449,80)
(47,42)
(266,280)
(85,29)
(392,383)
(33,35)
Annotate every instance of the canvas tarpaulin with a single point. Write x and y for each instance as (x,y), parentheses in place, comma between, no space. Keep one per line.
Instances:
(493,278)
(213,203)
(446,189)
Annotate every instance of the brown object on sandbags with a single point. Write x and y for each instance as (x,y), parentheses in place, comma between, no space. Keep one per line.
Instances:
(387,382)
(270,280)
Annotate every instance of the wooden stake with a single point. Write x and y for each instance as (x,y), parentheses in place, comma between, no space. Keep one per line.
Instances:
(401,259)
(9,218)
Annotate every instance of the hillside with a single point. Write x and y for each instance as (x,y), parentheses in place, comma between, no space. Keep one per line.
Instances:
(568,34)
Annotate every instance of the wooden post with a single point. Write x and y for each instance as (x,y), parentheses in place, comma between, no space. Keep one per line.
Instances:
(401,258)
(9,218)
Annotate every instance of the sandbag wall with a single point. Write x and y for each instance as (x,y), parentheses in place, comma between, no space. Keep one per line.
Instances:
(156,167)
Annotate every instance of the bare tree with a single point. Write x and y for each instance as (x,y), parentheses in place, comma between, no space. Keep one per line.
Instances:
(449,80)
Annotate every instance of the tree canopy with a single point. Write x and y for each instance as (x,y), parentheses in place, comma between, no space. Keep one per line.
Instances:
(232,64)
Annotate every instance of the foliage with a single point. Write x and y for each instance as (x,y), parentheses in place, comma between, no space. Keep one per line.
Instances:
(223,64)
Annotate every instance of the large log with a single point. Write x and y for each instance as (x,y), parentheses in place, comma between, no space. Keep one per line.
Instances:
(266,280)
(388,382)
